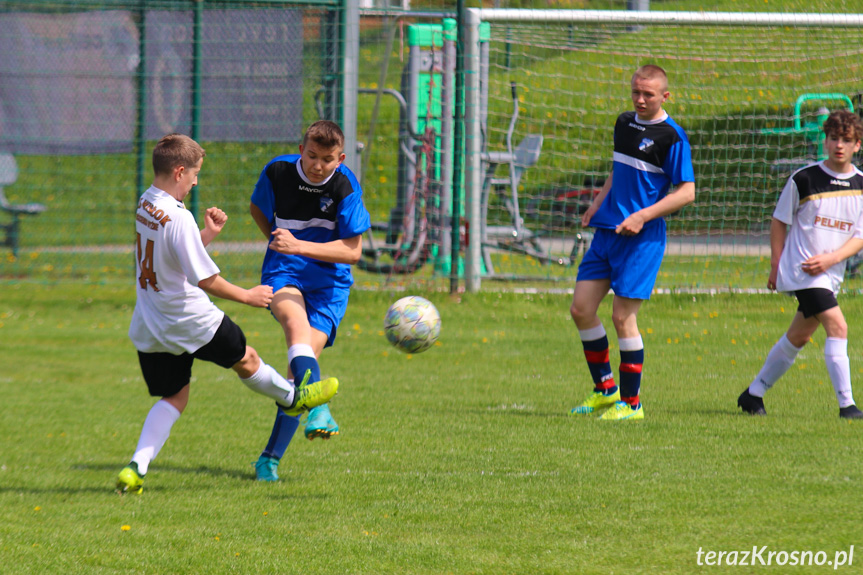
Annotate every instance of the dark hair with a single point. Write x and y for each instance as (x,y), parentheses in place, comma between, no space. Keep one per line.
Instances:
(325,134)
(844,123)
(176,150)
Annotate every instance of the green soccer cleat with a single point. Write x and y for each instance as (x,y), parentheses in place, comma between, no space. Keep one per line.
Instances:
(320,423)
(621,411)
(596,401)
(266,468)
(310,395)
(129,480)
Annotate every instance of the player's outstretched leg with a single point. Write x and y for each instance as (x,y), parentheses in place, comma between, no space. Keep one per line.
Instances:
(311,395)
(320,423)
(130,480)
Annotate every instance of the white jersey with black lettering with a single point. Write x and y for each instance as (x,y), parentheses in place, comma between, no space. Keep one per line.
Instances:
(825,210)
(172,314)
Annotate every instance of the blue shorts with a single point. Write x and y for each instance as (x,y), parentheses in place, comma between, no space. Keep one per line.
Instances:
(325,306)
(630,262)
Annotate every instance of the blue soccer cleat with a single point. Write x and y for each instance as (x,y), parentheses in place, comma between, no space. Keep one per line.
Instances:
(266,468)
(320,423)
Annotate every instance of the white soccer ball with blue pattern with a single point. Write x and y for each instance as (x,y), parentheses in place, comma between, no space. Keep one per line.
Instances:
(412,324)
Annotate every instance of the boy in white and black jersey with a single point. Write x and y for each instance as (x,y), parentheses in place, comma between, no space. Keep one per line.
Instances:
(175,323)
(823,204)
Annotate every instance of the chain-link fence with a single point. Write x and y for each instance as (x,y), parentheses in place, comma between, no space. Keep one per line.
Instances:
(87,88)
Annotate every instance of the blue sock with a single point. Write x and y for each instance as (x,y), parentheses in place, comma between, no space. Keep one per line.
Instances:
(302,363)
(631,363)
(596,353)
(283,432)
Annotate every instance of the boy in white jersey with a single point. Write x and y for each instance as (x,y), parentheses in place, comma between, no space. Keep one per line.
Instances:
(823,204)
(174,321)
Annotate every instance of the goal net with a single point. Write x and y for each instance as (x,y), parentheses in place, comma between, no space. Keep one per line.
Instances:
(751,91)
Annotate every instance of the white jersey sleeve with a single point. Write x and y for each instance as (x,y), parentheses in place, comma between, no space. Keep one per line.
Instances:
(789,200)
(189,251)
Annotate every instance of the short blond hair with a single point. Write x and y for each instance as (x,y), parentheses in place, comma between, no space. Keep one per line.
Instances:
(175,150)
(652,72)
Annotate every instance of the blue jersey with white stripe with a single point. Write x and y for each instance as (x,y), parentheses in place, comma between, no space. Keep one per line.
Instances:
(649,157)
(319,213)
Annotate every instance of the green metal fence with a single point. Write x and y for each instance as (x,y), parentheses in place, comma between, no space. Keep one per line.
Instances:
(87,88)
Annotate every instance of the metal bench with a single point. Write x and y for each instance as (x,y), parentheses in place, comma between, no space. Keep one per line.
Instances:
(8,176)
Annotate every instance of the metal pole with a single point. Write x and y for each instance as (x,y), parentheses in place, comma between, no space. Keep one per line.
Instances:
(350,83)
(197,59)
(473,150)
(142,104)
(458,148)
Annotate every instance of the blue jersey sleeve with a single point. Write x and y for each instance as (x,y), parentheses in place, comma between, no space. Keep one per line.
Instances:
(678,162)
(263,196)
(354,219)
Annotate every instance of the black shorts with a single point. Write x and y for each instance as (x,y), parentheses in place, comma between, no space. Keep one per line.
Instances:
(166,374)
(815,300)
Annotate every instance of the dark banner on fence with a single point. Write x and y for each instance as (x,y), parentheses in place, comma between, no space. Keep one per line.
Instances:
(252,74)
(68,83)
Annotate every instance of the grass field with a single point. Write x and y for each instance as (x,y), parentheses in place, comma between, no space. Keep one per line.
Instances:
(458,460)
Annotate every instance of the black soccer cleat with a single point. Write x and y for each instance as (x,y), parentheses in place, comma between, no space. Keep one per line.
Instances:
(850,412)
(751,404)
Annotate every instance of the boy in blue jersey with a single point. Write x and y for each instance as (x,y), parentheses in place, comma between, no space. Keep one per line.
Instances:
(651,177)
(309,205)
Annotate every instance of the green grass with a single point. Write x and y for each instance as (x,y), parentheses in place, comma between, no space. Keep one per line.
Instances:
(458,460)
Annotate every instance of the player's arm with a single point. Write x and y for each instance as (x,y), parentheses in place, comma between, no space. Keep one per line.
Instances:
(778,233)
(217,286)
(682,195)
(822,262)
(261,220)
(214,221)
(597,201)
(342,251)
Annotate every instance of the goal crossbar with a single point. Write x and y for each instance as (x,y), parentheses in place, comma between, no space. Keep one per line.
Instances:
(688,18)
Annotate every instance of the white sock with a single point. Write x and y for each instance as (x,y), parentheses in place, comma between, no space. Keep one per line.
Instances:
(592,334)
(779,360)
(839,367)
(267,381)
(631,343)
(154,434)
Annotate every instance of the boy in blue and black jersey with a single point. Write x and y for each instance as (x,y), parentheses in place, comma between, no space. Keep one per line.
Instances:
(652,177)
(310,206)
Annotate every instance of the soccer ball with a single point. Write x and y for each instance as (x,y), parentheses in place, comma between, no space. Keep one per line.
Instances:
(412,324)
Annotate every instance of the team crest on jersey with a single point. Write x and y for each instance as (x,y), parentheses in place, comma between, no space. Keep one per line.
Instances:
(326,203)
(645,144)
